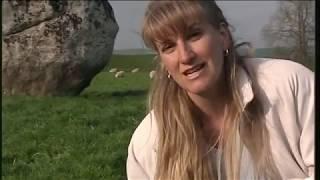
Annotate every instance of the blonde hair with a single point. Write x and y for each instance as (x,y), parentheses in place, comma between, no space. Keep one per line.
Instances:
(182,149)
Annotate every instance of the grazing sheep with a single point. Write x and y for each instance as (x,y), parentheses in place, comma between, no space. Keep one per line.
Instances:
(155,57)
(113,70)
(119,74)
(135,70)
(245,49)
(152,74)
(252,52)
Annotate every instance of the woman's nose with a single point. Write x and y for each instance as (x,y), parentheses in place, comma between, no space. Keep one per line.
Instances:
(185,52)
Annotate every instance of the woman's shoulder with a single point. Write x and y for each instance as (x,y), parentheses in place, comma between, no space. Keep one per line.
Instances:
(144,136)
(276,66)
(141,151)
(279,71)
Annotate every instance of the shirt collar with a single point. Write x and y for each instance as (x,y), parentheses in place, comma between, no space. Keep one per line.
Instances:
(245,86)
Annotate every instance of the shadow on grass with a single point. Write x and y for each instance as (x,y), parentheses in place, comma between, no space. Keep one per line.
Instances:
(127,93)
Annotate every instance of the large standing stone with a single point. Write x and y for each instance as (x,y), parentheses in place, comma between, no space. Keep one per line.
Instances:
(54,47)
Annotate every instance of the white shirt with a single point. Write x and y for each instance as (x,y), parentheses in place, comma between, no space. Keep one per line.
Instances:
(288,101)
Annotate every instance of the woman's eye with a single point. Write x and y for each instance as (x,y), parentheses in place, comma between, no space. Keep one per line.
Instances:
(167,48)
(194,35)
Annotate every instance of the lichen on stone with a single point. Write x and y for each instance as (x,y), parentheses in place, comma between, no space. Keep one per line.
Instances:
(58,5)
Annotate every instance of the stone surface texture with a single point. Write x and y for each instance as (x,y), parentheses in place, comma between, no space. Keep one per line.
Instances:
(54,47)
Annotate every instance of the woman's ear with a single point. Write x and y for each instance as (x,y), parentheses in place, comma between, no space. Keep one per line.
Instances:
(225,33)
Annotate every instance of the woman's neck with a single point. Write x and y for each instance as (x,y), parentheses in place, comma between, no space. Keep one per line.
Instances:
(212,105)
(211,114)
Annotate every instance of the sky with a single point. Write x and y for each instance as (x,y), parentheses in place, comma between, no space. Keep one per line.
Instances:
(247,17)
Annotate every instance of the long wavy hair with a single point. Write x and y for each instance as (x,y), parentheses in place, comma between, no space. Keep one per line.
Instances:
(182,152)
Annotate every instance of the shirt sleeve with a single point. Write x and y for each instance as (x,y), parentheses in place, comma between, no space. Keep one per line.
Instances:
(305,112)
(134,169)
(140,160)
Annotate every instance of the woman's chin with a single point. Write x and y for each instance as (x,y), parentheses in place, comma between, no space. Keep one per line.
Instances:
(198,88)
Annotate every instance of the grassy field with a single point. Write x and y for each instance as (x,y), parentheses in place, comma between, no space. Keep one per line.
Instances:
(83,137)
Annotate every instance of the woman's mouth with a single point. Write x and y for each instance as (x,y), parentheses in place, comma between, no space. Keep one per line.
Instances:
(194,71)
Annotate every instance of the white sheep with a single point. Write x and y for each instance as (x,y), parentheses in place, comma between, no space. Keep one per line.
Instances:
(155,57)
(251,52)
(246,50)
(152,74)
(113,70)
(135,70)
(119,74)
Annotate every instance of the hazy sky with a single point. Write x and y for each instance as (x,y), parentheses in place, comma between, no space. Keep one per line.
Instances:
(248,18)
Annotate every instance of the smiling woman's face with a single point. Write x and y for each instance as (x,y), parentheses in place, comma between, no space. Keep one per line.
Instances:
(195,59)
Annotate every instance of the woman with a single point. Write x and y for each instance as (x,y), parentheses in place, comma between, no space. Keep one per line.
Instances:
(215,114)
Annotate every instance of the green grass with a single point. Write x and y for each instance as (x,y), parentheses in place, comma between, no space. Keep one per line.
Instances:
(83,137)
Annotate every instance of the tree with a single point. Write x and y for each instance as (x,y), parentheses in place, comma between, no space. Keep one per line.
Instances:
(293,26)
